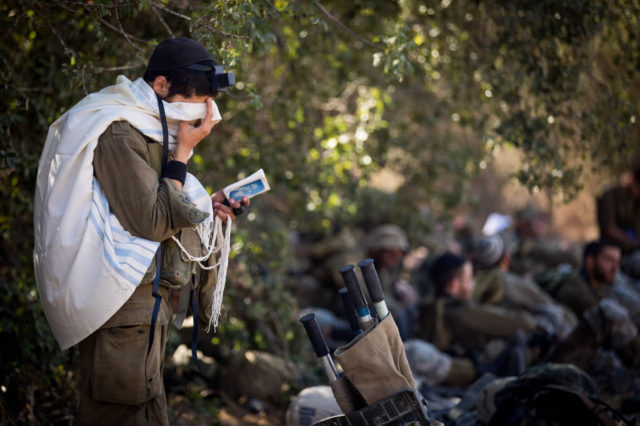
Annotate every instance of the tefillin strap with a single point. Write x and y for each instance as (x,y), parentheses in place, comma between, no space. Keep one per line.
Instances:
(194,336)
(156,281)
(165,132)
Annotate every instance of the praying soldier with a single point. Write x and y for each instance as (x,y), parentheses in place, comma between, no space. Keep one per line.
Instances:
(123,232)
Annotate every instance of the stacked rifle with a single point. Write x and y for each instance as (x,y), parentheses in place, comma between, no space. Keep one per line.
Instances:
(376,382)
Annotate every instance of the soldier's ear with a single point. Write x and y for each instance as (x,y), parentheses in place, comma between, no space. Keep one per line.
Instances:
(161,86)
(588,263)
(453,286)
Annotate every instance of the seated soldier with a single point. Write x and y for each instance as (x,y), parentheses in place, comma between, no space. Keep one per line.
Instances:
(462,327)
(618,214)
(388,245)
(496,285)
(597,279)
(536,252)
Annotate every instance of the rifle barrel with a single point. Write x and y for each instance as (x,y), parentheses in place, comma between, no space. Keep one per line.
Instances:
(319,345)
(372,281)
(348,273)
(350,310)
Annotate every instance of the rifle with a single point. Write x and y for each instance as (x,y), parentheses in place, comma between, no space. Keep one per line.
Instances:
(350,311)
(365,320)
(347,397)
(372,282)
(319,345)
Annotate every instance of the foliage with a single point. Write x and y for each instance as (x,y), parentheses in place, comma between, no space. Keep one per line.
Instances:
(329,95)
(554,78)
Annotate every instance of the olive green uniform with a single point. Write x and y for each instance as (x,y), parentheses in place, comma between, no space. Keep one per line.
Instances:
(617,207)
(535,256)
(574,291)
(120,384)
(497,287)
(458,326)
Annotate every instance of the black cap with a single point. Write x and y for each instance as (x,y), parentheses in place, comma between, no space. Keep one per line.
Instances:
(177,53)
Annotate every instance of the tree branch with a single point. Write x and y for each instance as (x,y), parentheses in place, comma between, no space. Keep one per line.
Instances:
(124,33)
(173,12)
(227,35)
(102,21)
(84,86)
(164,24)
(54,31)
(101,5)
(120,68)
(343,26)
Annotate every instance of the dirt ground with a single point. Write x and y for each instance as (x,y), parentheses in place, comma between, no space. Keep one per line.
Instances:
(216,408)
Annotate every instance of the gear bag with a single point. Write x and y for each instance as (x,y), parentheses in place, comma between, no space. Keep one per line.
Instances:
(375,362)
(554,394)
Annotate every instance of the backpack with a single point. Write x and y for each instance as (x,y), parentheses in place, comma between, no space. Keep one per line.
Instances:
(554,394)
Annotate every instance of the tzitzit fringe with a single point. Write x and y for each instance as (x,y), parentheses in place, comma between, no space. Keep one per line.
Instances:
(209,235)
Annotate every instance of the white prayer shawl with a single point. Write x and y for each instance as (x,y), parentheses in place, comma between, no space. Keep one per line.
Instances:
(86,264)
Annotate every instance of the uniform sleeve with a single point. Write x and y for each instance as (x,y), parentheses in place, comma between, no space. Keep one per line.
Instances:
(605,209)
(523,292)
(145,207)
(490,287)
(550,255)
(575,295)
(495,321)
